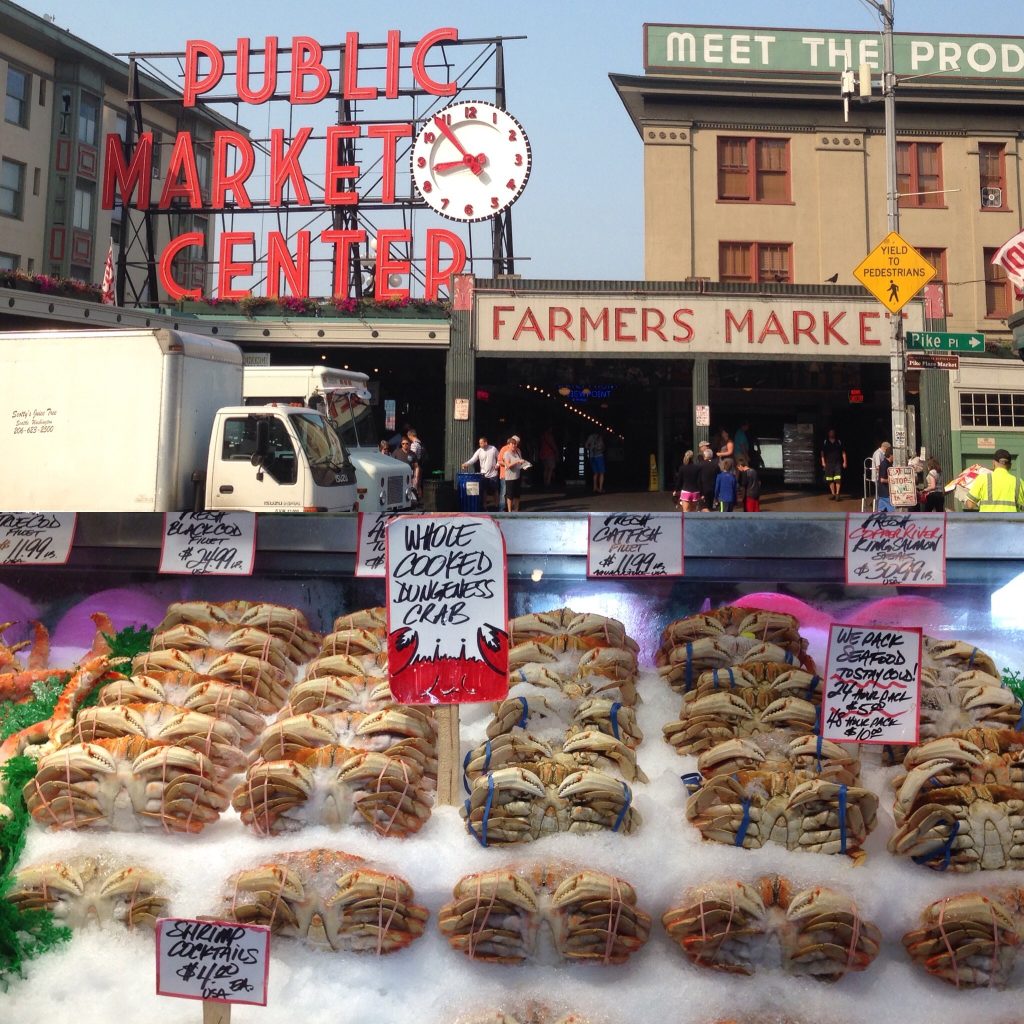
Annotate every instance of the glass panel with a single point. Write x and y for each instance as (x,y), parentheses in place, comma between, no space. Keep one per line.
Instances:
(990,160)
(734,261)
(929,176)
(83,207)
(12,185)
(16,101)
(88,119)
(733,169)
(773,263)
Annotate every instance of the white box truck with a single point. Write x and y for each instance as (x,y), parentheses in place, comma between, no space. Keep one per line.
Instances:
(153,421)
(343,396)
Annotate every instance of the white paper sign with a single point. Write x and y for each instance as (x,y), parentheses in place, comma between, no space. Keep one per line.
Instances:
(872,685)
(903,486)
(901,548)
(635,544)
(36,538)
(220,961)
(209,543)
(447,601)
(702,415)
(370,543)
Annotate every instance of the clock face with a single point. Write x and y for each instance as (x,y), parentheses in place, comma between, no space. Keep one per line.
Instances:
(470,161)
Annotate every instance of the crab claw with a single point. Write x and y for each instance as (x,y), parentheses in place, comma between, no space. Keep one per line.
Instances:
(493,645)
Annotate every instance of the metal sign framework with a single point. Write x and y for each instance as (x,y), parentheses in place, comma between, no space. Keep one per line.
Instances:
(474,59)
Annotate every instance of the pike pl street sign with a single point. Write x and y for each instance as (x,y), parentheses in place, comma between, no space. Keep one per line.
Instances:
(894,272)
(932,361)
(942,341)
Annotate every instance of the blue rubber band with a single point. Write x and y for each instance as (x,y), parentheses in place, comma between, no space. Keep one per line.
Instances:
(614,713)
(946,850)
(1020,721)
(741,832)
(521,724)
(465,772)
(487,809)
(522,676)
(812,686)
(692,781)
(842,819)
(970,660)
(689,667)
(821,739)
(628,797)
(790,658)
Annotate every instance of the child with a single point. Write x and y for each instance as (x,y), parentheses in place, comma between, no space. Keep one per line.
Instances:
(751,485)
(725,487)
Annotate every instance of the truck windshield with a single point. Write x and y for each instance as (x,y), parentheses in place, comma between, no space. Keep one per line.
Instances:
(353,420)
(320,444)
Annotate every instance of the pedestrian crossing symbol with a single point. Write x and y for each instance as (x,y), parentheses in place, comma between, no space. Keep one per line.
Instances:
(894,272)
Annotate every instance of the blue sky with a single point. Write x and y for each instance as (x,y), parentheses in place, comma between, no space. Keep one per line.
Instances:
(581,214)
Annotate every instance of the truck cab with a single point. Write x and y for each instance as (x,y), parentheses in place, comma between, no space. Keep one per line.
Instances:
(277,458)
(383,483)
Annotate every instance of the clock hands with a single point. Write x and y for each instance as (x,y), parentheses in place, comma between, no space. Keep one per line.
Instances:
(474,163)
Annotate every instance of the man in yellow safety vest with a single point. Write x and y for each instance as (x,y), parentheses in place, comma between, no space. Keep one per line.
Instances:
(998,491)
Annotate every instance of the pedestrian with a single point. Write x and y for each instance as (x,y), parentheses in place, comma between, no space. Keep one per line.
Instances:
(725,486)
(1000,490)
(548,454)
(933,495)
(882,502)
(486,459)
(385,448)
(726,446)
(833,461)
(420,453)
(876,459)
(595,447)
(404,454)
(514,465)
(707,473)
(687,484)
(507,446)
(750,483)
(741,442)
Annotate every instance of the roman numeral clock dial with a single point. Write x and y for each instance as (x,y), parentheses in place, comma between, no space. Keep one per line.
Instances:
(470,161)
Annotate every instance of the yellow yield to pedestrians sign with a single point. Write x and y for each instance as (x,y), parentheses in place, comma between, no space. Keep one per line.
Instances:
(894,272)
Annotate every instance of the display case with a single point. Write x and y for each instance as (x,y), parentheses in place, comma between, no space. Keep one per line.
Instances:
(791,564)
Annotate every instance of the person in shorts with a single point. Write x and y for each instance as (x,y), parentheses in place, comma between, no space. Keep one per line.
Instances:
(513,461)
(833,462)
(687,484)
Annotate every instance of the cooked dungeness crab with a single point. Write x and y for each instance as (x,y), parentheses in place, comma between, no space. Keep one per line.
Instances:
(736,927)
(745,701)
(330,900)
(84,890)
(736,629)
(969,940)
(127,785)
(801,794)
(326,693)
(544,915)
(681,667)
(562,629)
(960,805)
(608,672)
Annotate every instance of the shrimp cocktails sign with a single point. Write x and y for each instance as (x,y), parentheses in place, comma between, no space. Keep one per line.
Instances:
(294,165)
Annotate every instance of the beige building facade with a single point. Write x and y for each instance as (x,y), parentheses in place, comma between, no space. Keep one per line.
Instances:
(752,174)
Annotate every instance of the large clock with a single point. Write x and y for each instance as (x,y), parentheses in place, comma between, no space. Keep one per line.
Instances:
(471,160)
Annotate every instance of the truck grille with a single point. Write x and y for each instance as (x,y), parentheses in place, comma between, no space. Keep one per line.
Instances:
(395,490)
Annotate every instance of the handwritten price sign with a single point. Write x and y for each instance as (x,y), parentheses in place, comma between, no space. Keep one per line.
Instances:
(370,543)
(447,600)
(896,548)
(219,961)
(873,685)
(36,538)
(635,544)
(209,543)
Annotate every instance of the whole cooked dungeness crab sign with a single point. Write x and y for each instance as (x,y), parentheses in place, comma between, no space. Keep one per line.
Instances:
(447,606)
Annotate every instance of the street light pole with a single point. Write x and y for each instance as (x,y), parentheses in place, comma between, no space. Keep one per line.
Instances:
(897,373)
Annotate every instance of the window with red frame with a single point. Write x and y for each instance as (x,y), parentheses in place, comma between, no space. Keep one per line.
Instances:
(992,172)
(937,258)
(919,174)
(753,170)
(755,262)
(998,298)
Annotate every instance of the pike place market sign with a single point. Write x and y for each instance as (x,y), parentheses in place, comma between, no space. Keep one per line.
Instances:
(828,51)
(737,326)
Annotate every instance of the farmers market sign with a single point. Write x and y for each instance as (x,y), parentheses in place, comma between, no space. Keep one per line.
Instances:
(712,47)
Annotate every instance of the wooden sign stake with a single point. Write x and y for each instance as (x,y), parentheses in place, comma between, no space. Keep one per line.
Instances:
(216,1013)
(448,761)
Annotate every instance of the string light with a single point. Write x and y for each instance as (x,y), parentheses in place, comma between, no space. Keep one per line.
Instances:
(573,409)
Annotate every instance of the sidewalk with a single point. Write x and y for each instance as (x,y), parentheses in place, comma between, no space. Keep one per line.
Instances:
(661,501)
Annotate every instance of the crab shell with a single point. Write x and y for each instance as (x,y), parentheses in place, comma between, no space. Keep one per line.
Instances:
(948,658)
(969,940)
(548,915)
(970,699)
(327,693)
(86,889)
(126,784)
(735,927)
(259,677)
(375,619)
(328,899)
(288,624)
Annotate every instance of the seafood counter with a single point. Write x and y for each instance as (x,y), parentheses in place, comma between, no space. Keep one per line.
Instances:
(654,833)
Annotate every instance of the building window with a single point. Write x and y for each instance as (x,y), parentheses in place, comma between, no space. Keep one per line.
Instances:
(64,123)
(8,261)
(919,174)
(991,409)
(88,119)
(16,101)
(82,215)
(992,172)
(80,273)
(755,261)
(156,152)
(753,170)
(12,188)
(997,288)
(937,258)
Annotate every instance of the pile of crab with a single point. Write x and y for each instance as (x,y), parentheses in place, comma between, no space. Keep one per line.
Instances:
(750,711)
(738,927)
(545,914)
(959,802)
(227,688)
(560,751)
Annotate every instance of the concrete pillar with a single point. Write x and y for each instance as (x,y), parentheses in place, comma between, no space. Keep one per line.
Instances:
(460,382)
(700,397)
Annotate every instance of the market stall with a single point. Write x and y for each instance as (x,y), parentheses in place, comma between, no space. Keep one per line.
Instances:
(662,880)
